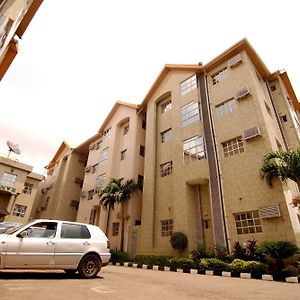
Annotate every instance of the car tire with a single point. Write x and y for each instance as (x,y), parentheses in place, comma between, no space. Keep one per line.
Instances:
(89,266)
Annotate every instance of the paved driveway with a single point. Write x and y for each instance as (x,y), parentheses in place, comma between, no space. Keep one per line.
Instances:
(128,283)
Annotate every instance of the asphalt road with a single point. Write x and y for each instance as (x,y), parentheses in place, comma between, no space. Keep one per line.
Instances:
(116,283)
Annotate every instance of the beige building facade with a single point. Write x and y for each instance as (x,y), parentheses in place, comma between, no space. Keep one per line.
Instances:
(15,16)
(218,120)
(18,188)
(58,196)
(117,153)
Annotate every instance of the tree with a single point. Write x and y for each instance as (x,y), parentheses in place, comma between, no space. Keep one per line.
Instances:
(179,241)
(117,192)
(281,164)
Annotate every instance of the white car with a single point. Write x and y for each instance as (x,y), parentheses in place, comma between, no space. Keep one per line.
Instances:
(55,244)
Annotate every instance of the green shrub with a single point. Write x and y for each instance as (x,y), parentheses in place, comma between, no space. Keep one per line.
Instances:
(277,249)
(118,256)
(179,241)
(239,251)
(153,260)
(201,252)
(254,267)
(214,264)
(182,263)
(287,272)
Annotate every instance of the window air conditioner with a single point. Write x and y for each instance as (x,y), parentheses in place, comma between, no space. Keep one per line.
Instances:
(242,93)
(270,211)
(234,61)
(251,133)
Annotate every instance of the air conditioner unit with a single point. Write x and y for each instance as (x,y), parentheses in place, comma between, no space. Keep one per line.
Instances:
(242,93)
(88,169)
(251,133)
(270,211)
(92,146)
(234,61)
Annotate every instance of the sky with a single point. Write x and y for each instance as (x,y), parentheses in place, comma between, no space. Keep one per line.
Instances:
(77,58)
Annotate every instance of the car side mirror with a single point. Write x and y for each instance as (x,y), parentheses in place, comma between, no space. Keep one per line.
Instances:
(23,234)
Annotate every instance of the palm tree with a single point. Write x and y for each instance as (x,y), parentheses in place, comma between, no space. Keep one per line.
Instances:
(115,192)
(281,164)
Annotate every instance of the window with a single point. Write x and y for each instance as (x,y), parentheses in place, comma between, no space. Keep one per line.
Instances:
(93,216)
(123,154)
(95,168)
(42,230)
(74,231)
(193,149)
(19,210)
(107,133)
(27,188)
(233,146)
(268,109)
(273,88)
(190,113)
(8,179)
(166,135)
(188,85)
(283,119)
(100,181)
(247,222)
(98,145)
(103,156)
(115,228)
(167,227)
(125,129)
(167,105)
(166,169)
(226,107)
(142,150)
(140,180)
(219,76)
(144,124)
(90,194)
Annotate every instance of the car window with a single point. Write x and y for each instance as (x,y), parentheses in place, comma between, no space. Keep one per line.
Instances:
(74,231)
(42,230)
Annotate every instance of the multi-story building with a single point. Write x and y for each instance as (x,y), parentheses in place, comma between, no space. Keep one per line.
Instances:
(15,16)
(117,153)
(18,187)
(208,128)
(58,196)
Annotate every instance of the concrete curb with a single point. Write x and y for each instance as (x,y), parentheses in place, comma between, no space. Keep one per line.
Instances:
(265,277)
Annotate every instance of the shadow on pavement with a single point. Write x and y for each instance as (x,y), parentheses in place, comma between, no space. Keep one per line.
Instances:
(13,275)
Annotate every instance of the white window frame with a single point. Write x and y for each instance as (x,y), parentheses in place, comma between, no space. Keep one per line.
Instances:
(190,113)
(226,107)
(166,168)
(19,210)
(233,146)
(8,179)
(193,149)
(247,222)
(103,156)
(166,106)
(188,85)
(166,135)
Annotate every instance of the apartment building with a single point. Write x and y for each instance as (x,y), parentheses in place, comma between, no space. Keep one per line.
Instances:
(18,187)
(208,128)
(58,196)
(15,16)
(117,153)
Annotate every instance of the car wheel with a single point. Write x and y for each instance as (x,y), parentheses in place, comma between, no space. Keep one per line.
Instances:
(89,266)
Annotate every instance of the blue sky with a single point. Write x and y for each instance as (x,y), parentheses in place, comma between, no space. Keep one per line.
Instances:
(77,58)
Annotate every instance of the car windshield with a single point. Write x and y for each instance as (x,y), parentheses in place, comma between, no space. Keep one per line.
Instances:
(11,230)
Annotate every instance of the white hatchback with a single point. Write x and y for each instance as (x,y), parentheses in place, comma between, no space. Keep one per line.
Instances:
(55,244)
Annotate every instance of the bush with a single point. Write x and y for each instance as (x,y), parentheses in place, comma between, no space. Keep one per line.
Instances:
(179,241)
(182,263)
(287,272)
(254,267)
(278,249)
(118,256)
(239,251)
(201,252)
(153,260)
(214,264)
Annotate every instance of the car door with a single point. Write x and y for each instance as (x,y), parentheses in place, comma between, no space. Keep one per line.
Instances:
(73,243)
(33,246)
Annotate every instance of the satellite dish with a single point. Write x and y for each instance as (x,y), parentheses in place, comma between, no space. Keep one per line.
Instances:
(13,148)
